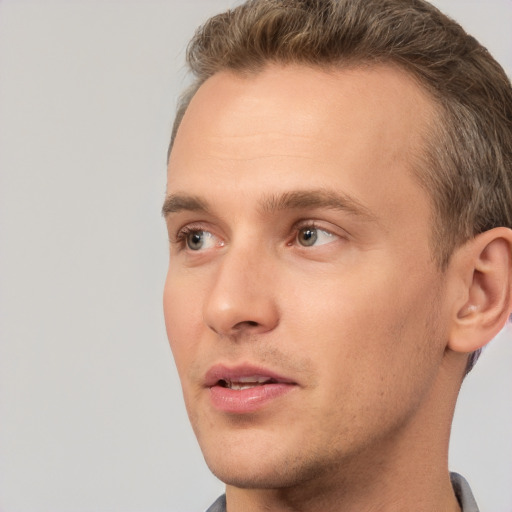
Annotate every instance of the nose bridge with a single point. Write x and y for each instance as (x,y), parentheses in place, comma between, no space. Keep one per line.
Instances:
(241,297)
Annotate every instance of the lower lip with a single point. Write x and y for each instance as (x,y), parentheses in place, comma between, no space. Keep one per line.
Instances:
(247,400)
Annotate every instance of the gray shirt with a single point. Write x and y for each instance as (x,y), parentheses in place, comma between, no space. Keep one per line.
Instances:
(460,486)
(463,492)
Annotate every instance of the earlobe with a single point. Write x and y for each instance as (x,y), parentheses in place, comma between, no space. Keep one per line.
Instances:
(487,265)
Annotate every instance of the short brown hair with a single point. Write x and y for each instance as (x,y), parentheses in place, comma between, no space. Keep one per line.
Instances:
(468,175)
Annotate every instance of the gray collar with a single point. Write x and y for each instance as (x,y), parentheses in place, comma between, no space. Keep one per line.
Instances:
(463,492)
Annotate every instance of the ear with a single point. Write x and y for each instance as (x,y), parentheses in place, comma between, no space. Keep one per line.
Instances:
(485,266)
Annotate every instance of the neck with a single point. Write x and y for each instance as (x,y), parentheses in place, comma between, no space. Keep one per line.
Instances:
(404,495)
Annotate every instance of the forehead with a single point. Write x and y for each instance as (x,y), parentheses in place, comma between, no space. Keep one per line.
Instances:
(309,101)
(359,130)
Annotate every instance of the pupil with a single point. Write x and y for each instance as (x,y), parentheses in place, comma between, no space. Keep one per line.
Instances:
(195,240)
(309,236)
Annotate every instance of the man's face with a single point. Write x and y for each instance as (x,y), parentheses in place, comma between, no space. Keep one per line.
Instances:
(302,303)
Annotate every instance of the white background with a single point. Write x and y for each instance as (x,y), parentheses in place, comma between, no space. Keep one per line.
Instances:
(91,417)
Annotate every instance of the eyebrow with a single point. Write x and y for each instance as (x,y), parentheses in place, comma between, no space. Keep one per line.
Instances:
(318,198)
(175,203)
(292,200)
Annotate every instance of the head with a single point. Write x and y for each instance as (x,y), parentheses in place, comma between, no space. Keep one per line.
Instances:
(467,158)
(313,130)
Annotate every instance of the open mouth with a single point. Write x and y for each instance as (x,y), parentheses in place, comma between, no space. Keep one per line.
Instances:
(245,388)
(242,383)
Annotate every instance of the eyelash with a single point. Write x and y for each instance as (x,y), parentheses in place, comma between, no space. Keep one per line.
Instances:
(180,239)
(181,236)
(312,224)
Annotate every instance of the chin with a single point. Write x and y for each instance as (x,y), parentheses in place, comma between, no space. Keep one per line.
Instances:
(250,479)
(268,475)
(262,468)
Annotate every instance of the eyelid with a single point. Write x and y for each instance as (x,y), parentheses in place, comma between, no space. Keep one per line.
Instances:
(179,237)
(326,226)
(182,232)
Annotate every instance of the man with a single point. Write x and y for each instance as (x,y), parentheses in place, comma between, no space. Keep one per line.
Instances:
(339,206)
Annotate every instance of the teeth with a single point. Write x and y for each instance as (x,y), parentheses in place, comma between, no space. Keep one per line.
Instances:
(238,386)
(245,382)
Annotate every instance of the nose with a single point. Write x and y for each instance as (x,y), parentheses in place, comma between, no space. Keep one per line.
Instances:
(241,299)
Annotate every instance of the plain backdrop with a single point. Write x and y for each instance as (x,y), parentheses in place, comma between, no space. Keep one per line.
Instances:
(91,415)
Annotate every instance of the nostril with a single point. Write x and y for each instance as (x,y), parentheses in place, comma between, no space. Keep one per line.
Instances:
(240,326)
(246,323)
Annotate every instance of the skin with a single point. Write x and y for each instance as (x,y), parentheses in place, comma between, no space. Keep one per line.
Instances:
(360,320)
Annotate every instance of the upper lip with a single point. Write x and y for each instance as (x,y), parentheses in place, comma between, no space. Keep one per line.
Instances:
(242,373)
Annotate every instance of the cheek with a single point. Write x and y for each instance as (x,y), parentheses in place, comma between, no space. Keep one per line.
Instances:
(361,322)
(370,344)
(182,313)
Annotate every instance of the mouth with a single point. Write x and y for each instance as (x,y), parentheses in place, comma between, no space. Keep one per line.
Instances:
(245,389)
(242,377)
(245,382)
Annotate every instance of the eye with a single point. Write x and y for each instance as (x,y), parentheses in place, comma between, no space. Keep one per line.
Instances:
(197,240)
(309,236)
